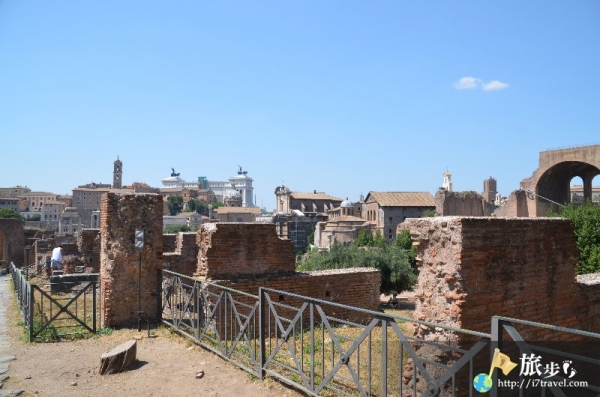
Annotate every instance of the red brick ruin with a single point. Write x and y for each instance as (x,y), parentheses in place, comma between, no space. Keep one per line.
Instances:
(242,256)
(471,269)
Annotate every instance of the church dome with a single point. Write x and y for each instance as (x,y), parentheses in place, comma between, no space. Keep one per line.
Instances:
(346,203)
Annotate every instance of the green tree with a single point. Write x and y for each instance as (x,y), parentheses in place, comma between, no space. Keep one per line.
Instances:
(35,217)
(175,204)
(176,229)
(364,239)
(404,241)
(392,261)
(586,221)
(429,213)
(11,214)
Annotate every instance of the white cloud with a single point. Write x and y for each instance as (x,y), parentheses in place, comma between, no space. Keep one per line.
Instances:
(467,83)
(474,83)
(495,85)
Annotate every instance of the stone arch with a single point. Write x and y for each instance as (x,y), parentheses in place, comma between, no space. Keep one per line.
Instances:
(550,182)
(12,242)
(554,184)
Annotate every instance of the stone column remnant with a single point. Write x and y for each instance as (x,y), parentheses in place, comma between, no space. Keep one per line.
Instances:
(121,216)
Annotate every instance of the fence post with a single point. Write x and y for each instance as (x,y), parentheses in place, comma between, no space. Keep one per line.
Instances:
(159,295)
(495,343)
(94,308)
(261,332)
(30,290)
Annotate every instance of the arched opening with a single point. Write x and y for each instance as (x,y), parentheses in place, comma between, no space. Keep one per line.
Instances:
(576,190)
(554,186)
(596,189)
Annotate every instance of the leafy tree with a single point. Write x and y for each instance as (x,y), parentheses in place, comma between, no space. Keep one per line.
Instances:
(35,217)
(176,229)
(404,241)
(429,213)
(11,214)
(586,220)
(392,261)
(364,239)
(175,204)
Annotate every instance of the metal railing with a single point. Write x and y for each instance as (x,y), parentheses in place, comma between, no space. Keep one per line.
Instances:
(320,347)
(50,316)
(554,361)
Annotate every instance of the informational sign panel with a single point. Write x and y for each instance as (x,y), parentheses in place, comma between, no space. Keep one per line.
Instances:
(139,240)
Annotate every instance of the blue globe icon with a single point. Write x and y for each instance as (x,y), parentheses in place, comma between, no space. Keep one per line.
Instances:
(482,383)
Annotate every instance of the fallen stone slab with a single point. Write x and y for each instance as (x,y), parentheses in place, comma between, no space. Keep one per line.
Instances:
(118,359)
(10,393)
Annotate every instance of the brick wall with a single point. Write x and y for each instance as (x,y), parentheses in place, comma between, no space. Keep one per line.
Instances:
(121,215)
(169,242)
(88,243)
(242,249)
(357,287)
(13,243)
(474,268)
(184,257)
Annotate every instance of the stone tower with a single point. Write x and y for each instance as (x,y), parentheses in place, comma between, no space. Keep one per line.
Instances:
(118,174)
(489,190)
(447,181)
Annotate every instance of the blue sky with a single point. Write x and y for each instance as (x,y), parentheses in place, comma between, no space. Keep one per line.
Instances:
(339,96)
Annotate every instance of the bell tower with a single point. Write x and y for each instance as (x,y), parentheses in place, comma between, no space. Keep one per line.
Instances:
(118,174)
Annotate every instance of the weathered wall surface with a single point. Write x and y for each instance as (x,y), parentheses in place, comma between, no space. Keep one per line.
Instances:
(119,274)
(474,268)
(242,250)
(184,257)
(461,204)
(88,243)
(358,287)
(515,206)
(13,242)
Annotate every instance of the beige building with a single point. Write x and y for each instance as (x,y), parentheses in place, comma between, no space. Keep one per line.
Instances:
(35,200)
(87,198)
(386,210)
(14,192)
(12,203)
(343,226)
(307,203)
(236,214)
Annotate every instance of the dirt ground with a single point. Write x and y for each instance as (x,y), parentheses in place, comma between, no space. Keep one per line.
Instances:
(167,366)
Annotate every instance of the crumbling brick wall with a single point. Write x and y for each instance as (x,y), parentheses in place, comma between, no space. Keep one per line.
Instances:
(121,216)
(184,256)
(88,244)
(356,287)
(473,268)
(12,248)
(461,204)
(242,249)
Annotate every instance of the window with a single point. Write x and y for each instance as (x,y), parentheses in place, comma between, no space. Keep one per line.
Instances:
(390,218)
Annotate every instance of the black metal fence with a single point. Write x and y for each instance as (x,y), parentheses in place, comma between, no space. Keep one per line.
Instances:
(321,349)
(52,316)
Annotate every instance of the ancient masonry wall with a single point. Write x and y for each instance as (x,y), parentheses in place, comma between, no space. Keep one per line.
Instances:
(184,256)
(357,287)
(121,215)
(474,268)
(242,250)
(460,204)
(13,242)
(88,243)
(246,257)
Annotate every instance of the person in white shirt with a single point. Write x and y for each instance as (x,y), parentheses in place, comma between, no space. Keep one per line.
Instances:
(56,260)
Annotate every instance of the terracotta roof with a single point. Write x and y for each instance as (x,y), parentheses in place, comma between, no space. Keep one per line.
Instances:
(402,199)
(174,189)
(347,218)
(238,210)
(313,196)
